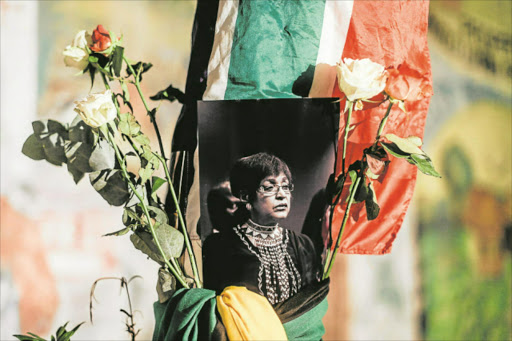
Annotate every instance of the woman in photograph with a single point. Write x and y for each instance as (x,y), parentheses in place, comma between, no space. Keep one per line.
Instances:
(258,253)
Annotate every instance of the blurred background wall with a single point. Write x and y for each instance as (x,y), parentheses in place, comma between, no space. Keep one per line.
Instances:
(448,277)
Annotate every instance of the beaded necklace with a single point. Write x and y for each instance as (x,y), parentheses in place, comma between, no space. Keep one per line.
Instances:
(269,245)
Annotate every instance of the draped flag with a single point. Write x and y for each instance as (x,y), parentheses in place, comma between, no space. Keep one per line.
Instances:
(246,49)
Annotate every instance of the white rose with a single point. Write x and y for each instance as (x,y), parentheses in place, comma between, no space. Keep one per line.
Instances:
(361,78)
(76,55)
(96,109)
(82,39)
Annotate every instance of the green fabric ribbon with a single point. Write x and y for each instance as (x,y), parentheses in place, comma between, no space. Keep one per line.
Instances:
(188,315)
(307,326)
(191,315)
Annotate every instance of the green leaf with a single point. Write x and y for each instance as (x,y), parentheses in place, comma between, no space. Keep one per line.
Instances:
(117,60)
(404,145)
(78,155)
(33,148)
(55,127)
(111,185)
(159,215)
(81,132)
(66,336)
(51,136)
(152,160)
(61,330)
(372,208)
(37,337)
(361,192)
(75,173)
(157,183)
(145,174)
(126,93)
(102,156)
(139,68)
(130,217)
(171,94)
(128,125)
(171,241)
(425,165)
(134,200)
(142,140)
(393,149)
(39,127)
(415,140)
(28,338)
(141,241)
(118,233)
(53,146)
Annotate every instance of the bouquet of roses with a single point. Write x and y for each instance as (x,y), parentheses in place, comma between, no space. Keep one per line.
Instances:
(104,138)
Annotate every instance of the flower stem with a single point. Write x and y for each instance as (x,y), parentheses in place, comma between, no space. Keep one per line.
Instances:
(345,137)
(104,129)
(331,254)
(383,122)
(149,112)
(182,223)
(330,262)
(331,215)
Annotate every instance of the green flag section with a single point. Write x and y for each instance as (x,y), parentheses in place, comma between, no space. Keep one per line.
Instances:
(263,27)
(271,49)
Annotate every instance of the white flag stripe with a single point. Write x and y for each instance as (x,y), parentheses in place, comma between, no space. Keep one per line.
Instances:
(337,15)
(218,66)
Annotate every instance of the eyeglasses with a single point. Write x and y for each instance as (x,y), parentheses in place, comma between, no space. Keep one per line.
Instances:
(272,189)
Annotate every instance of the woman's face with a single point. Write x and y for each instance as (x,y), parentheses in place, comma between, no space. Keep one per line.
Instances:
(270,206)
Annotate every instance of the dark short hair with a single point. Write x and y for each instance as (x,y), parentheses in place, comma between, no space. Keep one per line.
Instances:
(247,173)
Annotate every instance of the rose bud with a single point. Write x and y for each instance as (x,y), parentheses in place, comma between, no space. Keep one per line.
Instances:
(100,39)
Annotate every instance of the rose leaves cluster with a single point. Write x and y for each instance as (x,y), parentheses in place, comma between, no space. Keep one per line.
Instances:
(101,140)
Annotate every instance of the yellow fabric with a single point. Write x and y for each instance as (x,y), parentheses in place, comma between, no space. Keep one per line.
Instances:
(248,316)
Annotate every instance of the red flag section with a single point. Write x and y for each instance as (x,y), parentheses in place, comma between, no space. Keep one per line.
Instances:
(390,33)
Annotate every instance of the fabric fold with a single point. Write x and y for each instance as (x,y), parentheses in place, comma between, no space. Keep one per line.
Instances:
(189,315)
(248,316)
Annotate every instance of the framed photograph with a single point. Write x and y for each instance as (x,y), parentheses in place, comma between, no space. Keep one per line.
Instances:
(301,132)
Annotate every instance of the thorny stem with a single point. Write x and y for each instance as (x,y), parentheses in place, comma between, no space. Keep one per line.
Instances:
(171,187)
(182,223)
(331,215)
(330,263)
(345,137)
(175,268)
(383,122)
(331,254)
(149,112)
(108,135)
